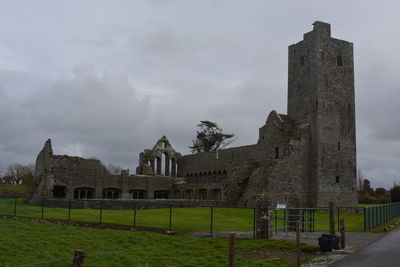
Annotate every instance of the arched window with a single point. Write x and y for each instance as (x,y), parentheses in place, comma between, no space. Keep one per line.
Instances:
(83,193)
(111,193)
(138,194)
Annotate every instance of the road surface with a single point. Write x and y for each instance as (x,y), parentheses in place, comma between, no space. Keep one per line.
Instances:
(385,252)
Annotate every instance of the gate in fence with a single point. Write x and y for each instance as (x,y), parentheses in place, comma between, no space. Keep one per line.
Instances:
(313,221)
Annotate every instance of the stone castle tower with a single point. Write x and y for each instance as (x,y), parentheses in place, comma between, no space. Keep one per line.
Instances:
(321,94)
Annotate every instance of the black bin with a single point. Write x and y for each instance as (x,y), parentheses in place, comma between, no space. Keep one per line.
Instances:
(328,242)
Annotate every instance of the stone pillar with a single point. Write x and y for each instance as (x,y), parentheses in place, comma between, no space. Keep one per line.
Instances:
(152,166)
(158,165)
(167,167)
(173,168)
(263,217)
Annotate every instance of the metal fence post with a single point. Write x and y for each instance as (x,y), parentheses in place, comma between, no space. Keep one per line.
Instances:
(15,206)
(284,220)
(254,223)
(69,210)
(101,211)
(134,215)
(365,219)
(211,221)
(170,217)
(313,221)
(41,217)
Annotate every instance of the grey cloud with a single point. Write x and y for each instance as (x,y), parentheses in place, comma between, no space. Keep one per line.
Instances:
(219,60)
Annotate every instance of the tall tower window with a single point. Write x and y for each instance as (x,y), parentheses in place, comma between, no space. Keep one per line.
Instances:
(277,152)
(338,146)
(302,61)
(337,179)
(339,61)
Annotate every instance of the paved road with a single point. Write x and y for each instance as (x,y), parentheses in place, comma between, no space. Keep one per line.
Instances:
(383,252)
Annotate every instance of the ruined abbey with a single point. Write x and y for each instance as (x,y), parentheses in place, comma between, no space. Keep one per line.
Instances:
(308,154)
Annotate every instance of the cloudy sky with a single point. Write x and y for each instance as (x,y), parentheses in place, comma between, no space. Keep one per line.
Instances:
(106,79)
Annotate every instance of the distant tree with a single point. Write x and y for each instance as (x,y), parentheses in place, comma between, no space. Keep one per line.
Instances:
(19,174)
(210,137)
(395,193)
(380,191)
(367,187)
(114,169)
(360,180)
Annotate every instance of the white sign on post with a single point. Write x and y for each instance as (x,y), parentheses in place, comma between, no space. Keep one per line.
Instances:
(280,206)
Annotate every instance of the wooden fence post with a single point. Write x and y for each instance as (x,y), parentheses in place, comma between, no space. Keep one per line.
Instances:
(79,258)
(298,247)
(231,250)
(342,233)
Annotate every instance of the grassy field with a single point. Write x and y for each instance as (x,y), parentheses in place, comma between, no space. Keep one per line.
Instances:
(182,219)
(27,243)
(13,189)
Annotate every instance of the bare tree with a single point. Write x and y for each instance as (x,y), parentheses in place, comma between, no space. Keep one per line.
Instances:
(210,138)
(19,174)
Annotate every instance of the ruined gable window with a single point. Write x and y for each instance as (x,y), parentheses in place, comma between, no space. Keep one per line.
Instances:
(337,179)
(339,61)
(338,146)
(302,61)
(277,152)
(322,55)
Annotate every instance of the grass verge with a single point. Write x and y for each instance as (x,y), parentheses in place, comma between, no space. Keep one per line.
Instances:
(26,242)
(182,219)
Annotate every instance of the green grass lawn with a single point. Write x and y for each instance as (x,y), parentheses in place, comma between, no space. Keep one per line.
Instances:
(24,243)
(182,219)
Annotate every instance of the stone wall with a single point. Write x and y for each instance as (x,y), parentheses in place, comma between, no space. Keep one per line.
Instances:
(123,204)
